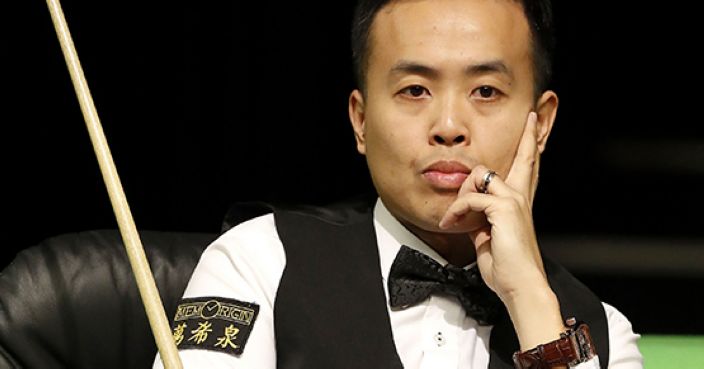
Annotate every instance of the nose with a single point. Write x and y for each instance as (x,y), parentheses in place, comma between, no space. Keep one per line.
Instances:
(449,127)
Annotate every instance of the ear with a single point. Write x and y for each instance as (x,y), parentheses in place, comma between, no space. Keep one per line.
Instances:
(356,111)
(547,111)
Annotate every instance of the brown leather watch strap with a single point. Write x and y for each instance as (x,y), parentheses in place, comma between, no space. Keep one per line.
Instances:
(573,347)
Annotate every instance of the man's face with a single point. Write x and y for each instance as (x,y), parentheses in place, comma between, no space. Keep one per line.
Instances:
(449,87)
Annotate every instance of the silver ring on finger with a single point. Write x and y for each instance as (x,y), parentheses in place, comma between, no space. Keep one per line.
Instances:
(486,180)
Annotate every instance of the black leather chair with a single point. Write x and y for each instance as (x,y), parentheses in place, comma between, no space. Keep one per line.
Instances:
(72,302)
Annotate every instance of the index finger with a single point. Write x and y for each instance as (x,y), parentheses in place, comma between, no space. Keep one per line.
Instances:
(520,176)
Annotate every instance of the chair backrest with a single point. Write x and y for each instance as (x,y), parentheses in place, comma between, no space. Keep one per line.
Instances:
(72,302)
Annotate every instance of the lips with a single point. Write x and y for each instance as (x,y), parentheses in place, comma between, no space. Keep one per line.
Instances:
(446,175)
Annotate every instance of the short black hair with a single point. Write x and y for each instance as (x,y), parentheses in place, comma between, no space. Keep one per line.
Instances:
(537,12)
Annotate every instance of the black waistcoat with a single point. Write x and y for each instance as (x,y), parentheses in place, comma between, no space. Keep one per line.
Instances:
(330,309)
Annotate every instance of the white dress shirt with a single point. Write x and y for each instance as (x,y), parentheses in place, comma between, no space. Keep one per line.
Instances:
(247,262)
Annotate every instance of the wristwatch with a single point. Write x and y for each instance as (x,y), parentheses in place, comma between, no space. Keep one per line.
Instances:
(573,347)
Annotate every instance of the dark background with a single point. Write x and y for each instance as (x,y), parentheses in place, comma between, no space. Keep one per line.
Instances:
(210,103)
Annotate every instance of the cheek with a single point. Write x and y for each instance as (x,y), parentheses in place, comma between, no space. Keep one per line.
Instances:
(389,148)
(391,136)
(497,144)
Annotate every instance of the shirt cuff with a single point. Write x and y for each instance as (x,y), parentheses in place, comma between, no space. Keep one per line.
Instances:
(593,363)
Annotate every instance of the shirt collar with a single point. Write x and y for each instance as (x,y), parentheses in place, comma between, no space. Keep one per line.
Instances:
(391,234)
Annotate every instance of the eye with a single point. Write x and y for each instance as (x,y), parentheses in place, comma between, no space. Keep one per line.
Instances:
(415,91)
(486,93)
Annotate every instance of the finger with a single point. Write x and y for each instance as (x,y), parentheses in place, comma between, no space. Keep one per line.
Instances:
(477,202)
(480,237)
(477,182)
(521,174)
(473,182)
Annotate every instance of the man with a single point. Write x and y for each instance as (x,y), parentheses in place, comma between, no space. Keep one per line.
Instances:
(452,114)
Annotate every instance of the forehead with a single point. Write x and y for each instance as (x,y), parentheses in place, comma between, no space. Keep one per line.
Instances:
(438,31)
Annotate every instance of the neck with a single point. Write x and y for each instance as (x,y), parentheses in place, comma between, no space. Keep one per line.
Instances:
(456,248)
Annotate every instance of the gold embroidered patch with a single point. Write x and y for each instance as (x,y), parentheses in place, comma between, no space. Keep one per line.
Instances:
(214,323)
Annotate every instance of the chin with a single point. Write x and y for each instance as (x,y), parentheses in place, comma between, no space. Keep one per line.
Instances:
(428,220)
(424,210)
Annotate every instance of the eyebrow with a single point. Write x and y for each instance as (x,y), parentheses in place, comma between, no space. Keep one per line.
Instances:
(494,66)
(409,67)
(489,67)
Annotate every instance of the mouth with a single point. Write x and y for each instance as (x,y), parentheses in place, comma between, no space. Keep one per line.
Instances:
(446,175)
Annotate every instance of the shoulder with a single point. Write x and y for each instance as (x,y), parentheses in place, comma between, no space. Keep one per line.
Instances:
(623,342)
(246,262)
(257,236)
(335,214)
(615,317)
(254,241)
(229,300)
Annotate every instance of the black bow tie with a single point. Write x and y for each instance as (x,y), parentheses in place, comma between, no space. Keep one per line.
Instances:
(414,276)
